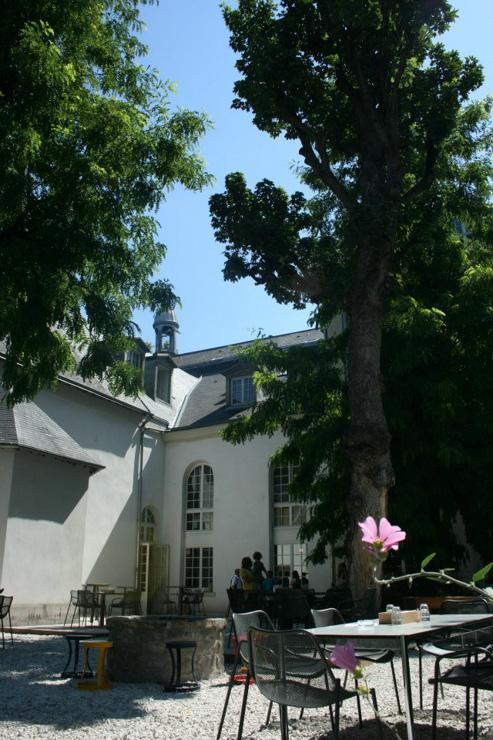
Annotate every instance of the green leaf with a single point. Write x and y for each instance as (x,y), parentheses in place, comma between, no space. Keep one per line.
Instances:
(482,573)
(427,560)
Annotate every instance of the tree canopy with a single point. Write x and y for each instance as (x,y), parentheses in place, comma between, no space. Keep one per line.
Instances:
(392,154)
(89,146)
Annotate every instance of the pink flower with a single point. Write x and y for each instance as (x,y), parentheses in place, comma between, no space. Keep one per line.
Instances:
(343,656)
(384,537)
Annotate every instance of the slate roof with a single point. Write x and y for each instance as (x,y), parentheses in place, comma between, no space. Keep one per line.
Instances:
(27,426)
(221,358)
(206,405)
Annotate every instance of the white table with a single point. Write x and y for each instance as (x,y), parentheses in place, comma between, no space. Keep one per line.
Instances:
(403,634)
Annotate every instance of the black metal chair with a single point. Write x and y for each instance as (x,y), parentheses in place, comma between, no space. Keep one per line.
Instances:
(5,604)
(193,601)
(459,639)
(241,624)
(291,670)
(86,604)
(292,608)
(328,617)
(127,603)
(475,673)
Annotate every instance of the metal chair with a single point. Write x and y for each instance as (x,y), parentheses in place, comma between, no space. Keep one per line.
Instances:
(476,674)
(241,624)
(291,670)
(85,603)
(5,604)
(193,601)
(292,608)
(127,603)
(328,617)
(459,639)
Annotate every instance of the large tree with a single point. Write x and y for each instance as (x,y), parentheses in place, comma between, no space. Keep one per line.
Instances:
(89,146)
(374,101)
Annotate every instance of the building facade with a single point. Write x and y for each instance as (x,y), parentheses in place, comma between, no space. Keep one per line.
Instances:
(111,490)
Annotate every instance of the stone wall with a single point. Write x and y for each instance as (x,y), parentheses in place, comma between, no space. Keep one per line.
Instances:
(139,653)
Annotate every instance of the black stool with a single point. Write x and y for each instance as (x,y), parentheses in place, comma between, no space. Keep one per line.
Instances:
(176,684)
(74,638)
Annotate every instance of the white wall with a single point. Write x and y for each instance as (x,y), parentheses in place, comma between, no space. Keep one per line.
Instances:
(45,530)
(7,458)
(111,435)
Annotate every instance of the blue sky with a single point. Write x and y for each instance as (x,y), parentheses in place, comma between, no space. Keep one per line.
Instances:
(189,45)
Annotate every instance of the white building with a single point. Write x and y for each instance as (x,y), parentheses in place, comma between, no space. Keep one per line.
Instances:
(107,490)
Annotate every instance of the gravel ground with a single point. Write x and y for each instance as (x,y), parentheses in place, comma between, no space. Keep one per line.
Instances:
(36,703)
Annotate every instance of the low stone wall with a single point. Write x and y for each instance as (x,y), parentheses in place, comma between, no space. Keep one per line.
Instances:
(139,653)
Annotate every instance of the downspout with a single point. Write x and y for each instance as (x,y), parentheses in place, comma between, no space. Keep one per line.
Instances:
(140,453)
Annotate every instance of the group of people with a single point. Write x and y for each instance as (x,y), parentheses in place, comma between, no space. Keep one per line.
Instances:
(253,576)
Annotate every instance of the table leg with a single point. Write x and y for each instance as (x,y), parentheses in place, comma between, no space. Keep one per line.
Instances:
(102,612)
(408,697)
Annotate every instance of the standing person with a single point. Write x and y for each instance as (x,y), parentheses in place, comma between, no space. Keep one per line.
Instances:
(247,576)
(258,569)
(235,581)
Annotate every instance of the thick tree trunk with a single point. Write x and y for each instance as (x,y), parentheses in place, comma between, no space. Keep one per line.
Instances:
(368,441)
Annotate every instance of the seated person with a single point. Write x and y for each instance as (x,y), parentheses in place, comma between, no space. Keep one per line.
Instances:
(295,580)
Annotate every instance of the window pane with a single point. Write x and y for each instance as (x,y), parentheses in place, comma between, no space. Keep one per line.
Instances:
(207,518)
(236,387)
(281,482)
(207,568)
(207,487)
(248,390)
(193,488)
(281,516)
(192,567)
(193,521)
(296,515)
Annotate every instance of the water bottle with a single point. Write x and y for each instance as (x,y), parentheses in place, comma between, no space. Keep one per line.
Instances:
(424,610)
(396,616)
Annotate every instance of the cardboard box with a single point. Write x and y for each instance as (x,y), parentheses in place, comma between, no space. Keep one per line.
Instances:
(412,615)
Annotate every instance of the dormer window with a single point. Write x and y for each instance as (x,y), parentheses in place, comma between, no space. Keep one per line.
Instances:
(135,358)
(242,391)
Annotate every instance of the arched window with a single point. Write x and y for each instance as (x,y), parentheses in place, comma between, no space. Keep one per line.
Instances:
(199,499)
(147,525)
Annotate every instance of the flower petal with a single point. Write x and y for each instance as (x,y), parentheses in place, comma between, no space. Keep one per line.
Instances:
(369,529)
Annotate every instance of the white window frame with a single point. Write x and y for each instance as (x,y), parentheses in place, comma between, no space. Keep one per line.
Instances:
(199,500)
(199,567)
(242,391)
(290,513)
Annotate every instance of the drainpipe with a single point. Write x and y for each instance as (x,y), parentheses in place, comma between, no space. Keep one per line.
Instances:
(140,454)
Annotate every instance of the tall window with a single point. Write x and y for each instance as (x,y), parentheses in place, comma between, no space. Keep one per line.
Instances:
(199,567)
(200,499)
(286,512)
(242,391)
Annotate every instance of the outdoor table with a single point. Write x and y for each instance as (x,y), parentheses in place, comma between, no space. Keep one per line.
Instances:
(402,634)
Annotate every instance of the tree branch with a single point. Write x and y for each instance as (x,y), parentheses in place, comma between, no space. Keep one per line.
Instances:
(428,175)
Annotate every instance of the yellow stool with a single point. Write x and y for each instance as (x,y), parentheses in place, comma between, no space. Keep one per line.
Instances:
(101,682)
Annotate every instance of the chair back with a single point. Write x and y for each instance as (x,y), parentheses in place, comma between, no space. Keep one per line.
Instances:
(465,606)
(292,607)
(87,599)
(5,604)
(327,617)
(242,622)
(290,669)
